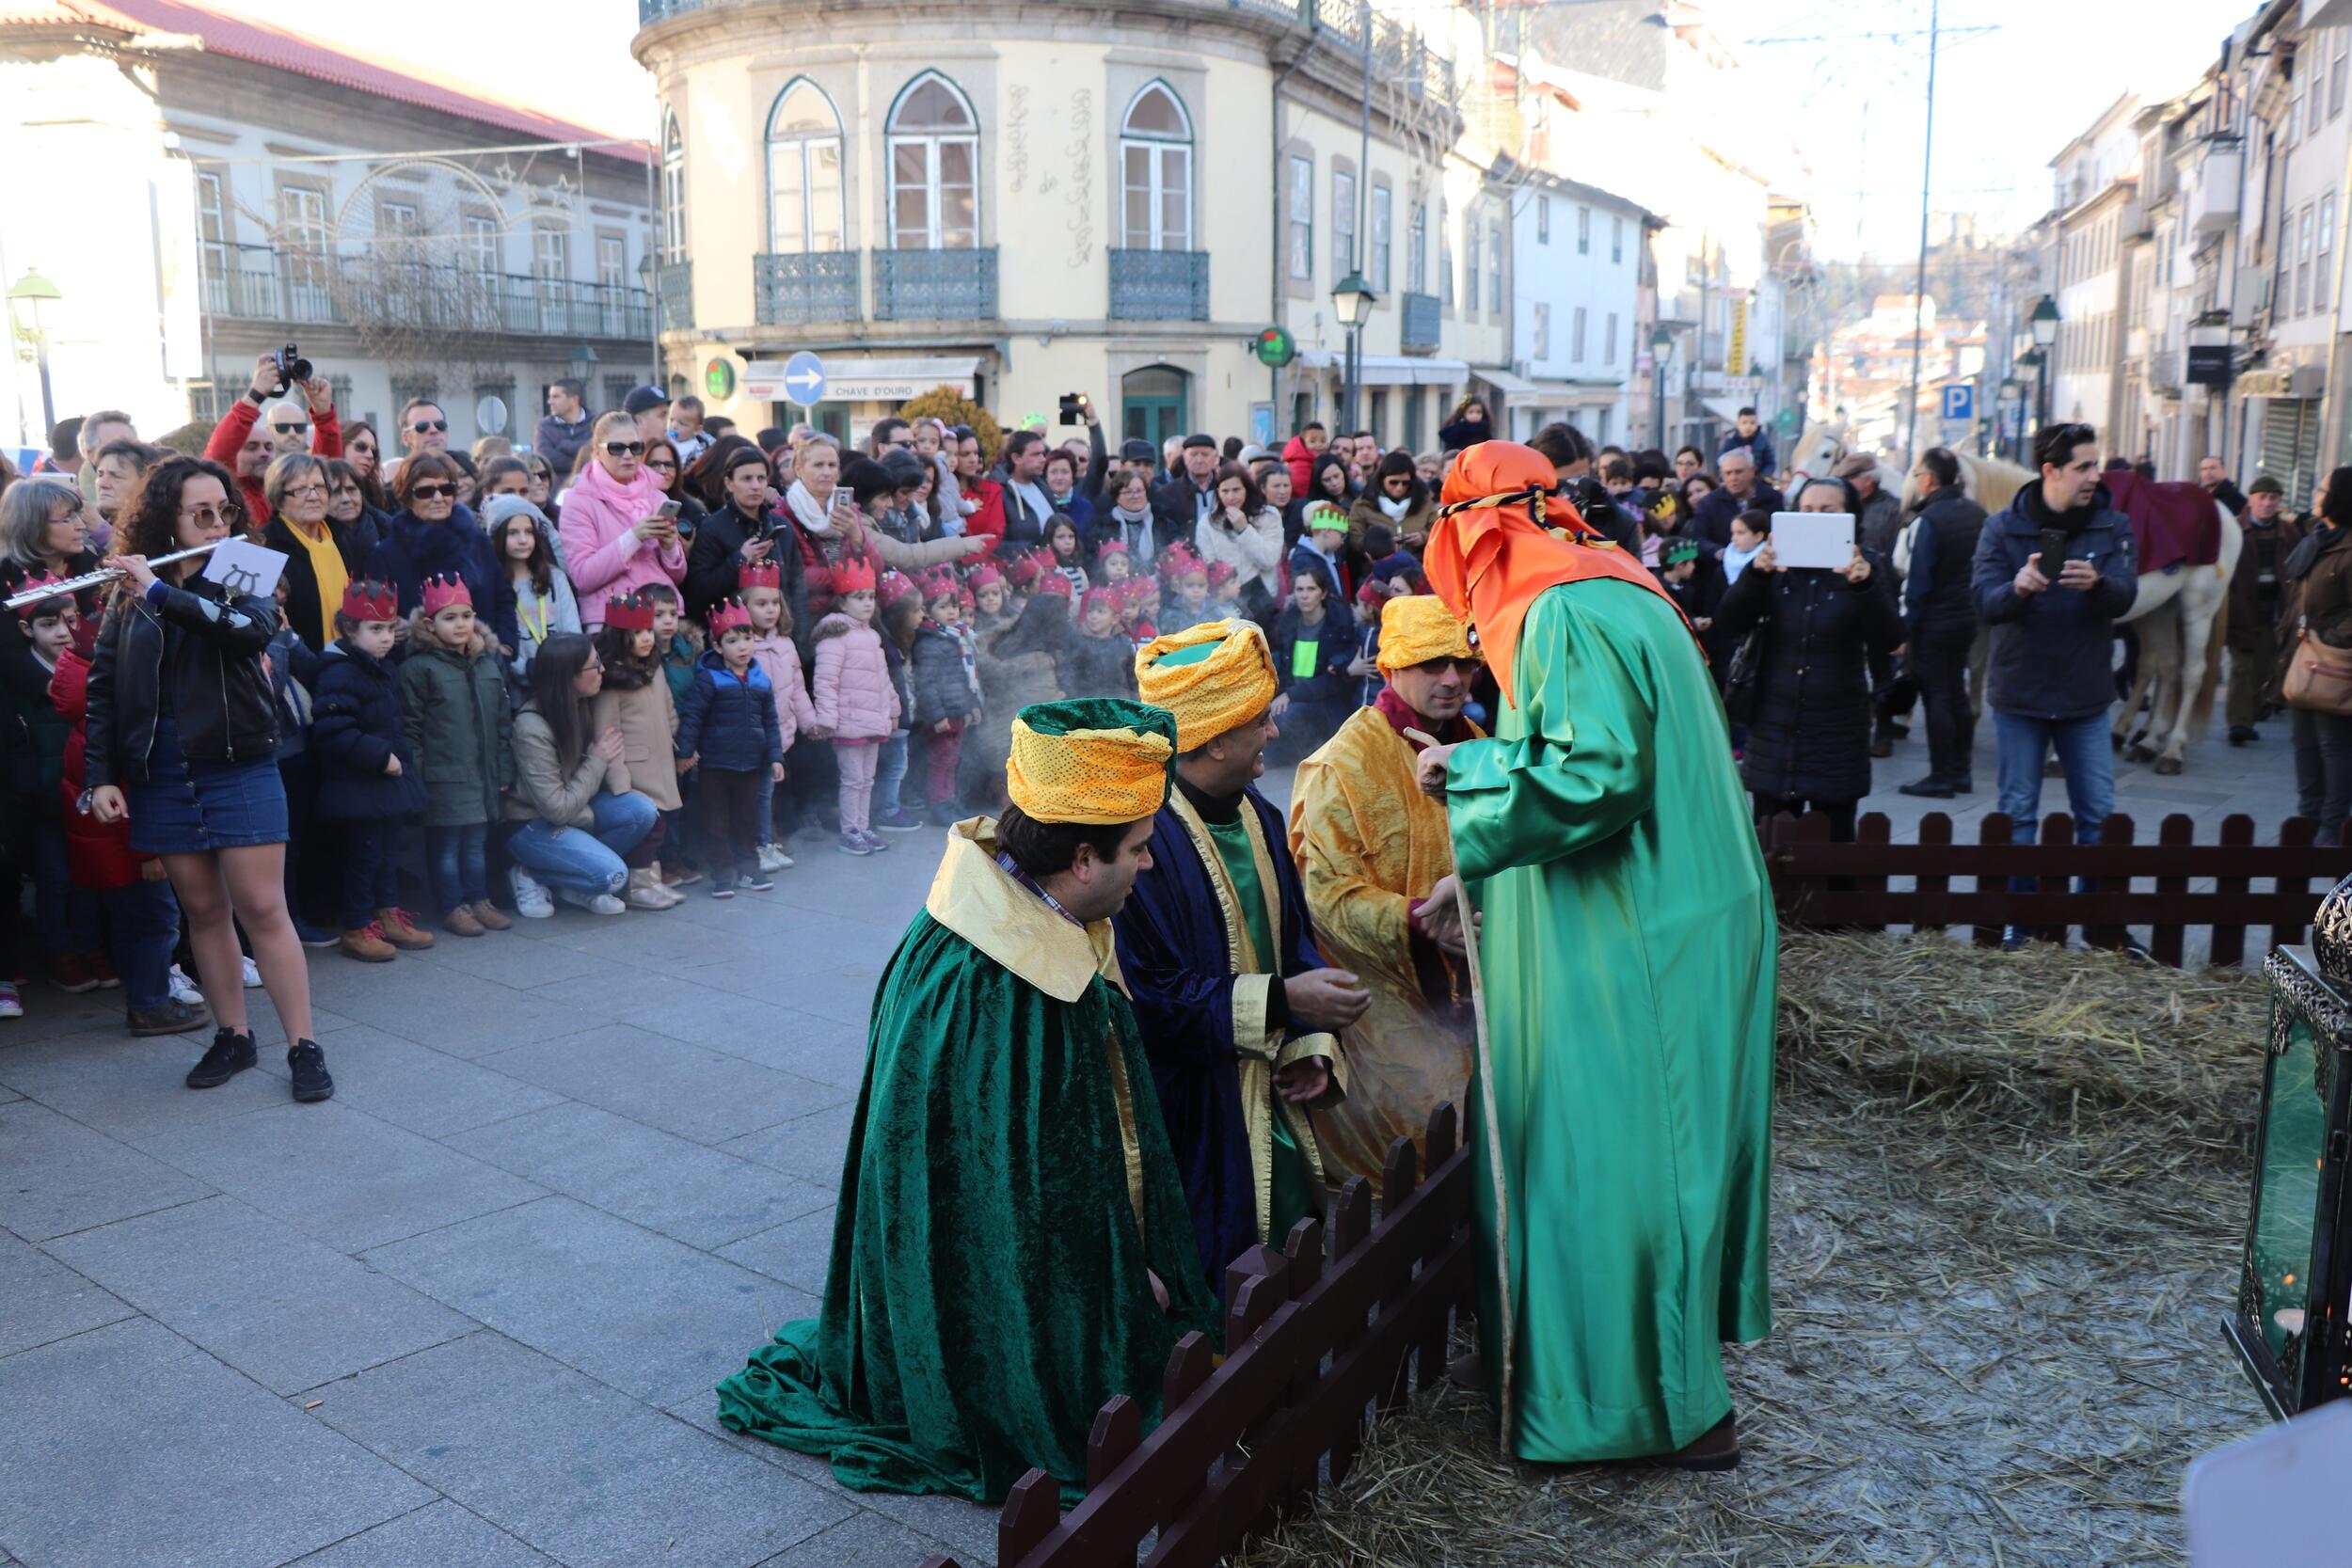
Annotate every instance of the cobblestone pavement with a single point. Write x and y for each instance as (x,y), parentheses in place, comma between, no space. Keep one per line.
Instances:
(470,1310)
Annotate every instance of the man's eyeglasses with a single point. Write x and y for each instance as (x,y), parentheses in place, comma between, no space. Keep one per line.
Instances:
(426,427)
(624,449)
(290,429)
(432,492)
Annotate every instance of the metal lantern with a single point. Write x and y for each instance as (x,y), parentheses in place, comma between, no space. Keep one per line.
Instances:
(2294,1288)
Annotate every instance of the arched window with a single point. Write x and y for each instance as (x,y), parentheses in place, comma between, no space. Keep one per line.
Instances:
(673,191)
(804,210)
(934,149)
(1156,163)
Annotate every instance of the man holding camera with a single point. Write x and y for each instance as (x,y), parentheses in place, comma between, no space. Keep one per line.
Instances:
(243,445)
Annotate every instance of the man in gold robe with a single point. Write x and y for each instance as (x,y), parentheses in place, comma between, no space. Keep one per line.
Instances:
(1377,863)
(1237,1009)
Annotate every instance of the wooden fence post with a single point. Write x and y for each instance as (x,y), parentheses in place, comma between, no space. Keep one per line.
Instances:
(2116,830)
(1351,1222)
(1872,830)
(1398,1179)
(1303,1251)
(1189,1367)
(1994,829)
(2229,941)
(2056,828)
(1935,829)
(1031,1511)
(2295,833)
(1430,1351)
(1118,1428)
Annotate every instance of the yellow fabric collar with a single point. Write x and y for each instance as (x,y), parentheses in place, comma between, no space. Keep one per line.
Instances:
(973,897)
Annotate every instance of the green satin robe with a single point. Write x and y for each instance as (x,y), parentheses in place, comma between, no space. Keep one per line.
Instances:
(1631,962)
(988,1288)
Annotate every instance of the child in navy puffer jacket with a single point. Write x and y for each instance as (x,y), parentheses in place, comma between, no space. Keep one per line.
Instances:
(367,777)
(728,731)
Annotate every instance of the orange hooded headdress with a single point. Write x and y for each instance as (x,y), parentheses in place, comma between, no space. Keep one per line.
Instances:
(1494,546)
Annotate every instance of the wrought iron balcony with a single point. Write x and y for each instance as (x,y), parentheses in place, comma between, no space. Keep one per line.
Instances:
(797,287)
(385,293)
(935,285)
(1419,329)
(1160,285)
(678,295)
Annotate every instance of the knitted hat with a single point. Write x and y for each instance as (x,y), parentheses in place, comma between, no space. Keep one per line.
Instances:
(1416,628)
(364,600)
(627,613)
(442,591)
(727,615)
(853,576)
(1092,761)
(758,574)
(1213,677)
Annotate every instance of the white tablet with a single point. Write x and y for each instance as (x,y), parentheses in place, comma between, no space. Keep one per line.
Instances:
(1824,539)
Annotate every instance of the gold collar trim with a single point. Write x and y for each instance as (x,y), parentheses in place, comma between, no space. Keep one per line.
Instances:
(973,897)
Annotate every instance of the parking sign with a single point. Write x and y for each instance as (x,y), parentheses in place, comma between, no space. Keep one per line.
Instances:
(1960,402)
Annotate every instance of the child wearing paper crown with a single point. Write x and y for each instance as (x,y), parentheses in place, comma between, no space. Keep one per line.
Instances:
(761,584)
(946,690)
(855,699)
(32,639)
(455,695)
(728,731)
(636,701)
(368,777)
(1100,662)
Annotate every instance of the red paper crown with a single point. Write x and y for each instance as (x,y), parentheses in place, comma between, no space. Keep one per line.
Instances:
(963,597)
(1111,547)
(1054,582)
(31,609)
(727,615)
(853,576)
(1179,559)
(983,576)
(441,593)
(1373,592)
(896,586)
(1100,598)
(1021,570)
(371,601)
(1220,573)
(937,583)
(758,574)
(628,614)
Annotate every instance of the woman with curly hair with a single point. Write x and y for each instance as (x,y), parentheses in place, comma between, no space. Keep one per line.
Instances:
(181,739)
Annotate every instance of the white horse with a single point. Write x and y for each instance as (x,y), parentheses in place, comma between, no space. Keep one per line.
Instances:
(1819,448)
(2181,614)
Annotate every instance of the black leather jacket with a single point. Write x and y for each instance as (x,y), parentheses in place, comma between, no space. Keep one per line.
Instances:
(209,647)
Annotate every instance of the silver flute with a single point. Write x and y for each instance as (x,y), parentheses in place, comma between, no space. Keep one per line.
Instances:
(102,574)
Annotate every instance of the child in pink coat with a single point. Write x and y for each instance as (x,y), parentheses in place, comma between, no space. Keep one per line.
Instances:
(762,585)
(857,704)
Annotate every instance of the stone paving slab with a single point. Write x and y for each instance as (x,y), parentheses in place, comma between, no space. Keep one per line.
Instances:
(340,1175)
(129,1447)
(287,1312)
(41,1300)
(636,1310)
(414,1086)
(439,1535)
(797,1253)
(810,1147)
(63,1176)
(687,1090)
(684,1190)
(126,1087)
(586,1474)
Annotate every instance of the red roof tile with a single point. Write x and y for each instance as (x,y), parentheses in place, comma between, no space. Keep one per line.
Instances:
(266,44)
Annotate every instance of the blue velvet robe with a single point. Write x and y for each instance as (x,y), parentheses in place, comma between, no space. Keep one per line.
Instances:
(1173,949)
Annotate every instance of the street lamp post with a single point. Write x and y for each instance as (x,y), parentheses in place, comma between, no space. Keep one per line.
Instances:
(2044,322)
(1351,301)
(2012,407)
(1662,348)
(2034,360)
(35,290)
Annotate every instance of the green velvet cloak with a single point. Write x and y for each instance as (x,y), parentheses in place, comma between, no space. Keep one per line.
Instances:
(987,1293)
(1631,962)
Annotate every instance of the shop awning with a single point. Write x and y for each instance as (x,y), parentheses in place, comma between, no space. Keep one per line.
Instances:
(1578,394)
(868,379)
(1508,385)
(1392,370)
(1726,409)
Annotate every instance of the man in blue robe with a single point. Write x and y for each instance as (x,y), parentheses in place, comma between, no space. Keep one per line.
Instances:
(1238,1010)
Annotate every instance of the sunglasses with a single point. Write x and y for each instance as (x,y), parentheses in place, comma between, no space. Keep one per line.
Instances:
(426,426)
(229,511)
(432,492)
(1458,666)
(290,429)
(624,449)
(664,463)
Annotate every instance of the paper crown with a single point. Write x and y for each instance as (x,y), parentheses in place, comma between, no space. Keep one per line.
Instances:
(1373,592)
(1322,516)
(853,576)
(758,574)
(42,606)
(938,583)
(1179,559)
(1110,546)
(624,613)
(1105,597)
(727,615)
(1220,573)
(440,593)
(371,601)
(896,586)
(983,576)
(1054,582)
(1021,570)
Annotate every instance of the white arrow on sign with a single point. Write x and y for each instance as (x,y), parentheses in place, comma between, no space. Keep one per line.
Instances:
(805,379)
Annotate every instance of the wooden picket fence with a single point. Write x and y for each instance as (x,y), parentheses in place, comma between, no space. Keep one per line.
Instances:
(2122,881)
(1317,1339)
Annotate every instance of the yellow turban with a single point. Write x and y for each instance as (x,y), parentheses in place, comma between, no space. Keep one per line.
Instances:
(1092,761)
(1416,628)
(1213,677)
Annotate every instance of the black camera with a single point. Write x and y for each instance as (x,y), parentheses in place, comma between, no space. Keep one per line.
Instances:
(291,367)
(1073,408)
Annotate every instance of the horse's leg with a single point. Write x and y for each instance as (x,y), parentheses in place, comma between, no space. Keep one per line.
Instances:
(2203,603)
(2159,678)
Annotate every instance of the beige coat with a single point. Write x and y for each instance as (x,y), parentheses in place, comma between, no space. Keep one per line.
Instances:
(543,789)
(647,721)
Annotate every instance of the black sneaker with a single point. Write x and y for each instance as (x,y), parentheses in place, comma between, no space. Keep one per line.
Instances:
(309,1065)
(1932,790)
(230,1054)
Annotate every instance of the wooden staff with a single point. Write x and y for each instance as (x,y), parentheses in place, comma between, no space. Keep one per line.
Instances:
(1494,1134)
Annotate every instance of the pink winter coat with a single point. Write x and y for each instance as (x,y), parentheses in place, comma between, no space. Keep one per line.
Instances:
(781,662)
(600,555)
(855,697)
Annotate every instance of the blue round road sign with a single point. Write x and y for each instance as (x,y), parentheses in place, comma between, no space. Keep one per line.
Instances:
(804,379)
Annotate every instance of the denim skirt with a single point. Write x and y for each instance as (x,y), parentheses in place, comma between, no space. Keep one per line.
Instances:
(192,808)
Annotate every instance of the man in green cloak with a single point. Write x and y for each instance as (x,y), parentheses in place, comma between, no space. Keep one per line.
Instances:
(1013,1247)
(1621,1124)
